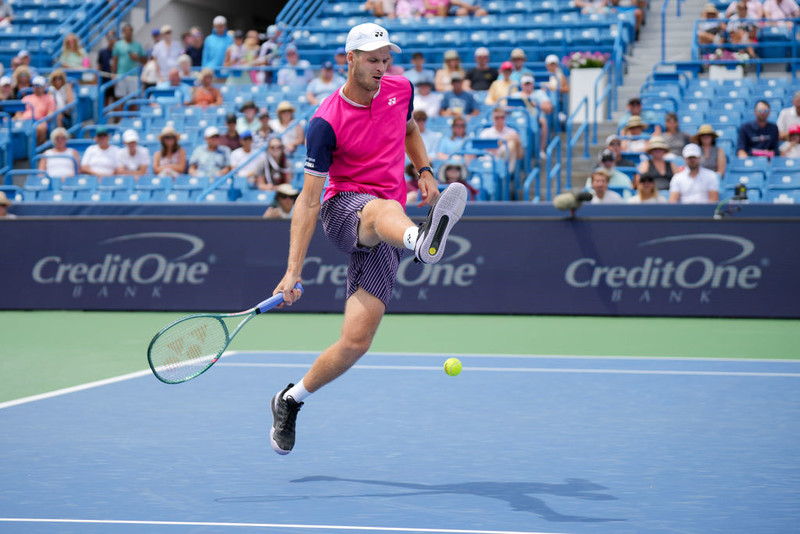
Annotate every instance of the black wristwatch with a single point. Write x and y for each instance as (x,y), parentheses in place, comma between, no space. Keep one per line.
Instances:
(423,169)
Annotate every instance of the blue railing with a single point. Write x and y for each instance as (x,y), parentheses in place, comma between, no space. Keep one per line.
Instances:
(553,167)
(572,140)
(229,176)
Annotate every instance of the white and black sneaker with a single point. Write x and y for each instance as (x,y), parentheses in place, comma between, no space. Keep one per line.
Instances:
(284,416)
(441,218)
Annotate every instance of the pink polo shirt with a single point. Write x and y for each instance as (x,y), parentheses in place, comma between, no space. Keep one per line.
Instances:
(362,148)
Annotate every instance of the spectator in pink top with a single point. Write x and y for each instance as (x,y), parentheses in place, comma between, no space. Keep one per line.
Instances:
(358,139)
(42,105)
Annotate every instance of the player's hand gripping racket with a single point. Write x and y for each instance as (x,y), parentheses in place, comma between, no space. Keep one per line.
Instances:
(188,347)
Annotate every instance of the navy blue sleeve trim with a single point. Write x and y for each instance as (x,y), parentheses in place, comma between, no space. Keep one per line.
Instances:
(320,144)
(410,101)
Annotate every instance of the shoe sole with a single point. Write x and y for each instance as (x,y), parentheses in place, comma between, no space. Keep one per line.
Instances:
(443,216)
(275,446)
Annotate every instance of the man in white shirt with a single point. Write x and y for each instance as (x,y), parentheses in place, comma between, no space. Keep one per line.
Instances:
(427,100)
(694,184)
(133,159)
(239,156)
(166,52)
(601,194)
(100,159)
(323,85)
(788,117)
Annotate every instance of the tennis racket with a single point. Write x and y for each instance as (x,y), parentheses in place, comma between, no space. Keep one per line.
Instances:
(189,346)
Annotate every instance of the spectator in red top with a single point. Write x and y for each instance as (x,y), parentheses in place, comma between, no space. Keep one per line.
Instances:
(41,105)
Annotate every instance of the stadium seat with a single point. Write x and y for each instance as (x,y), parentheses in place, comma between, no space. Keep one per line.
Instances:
(783,180)
(152,183)
(255,195)
(49,195)
(791,196)
(86,195)
(751,164)
(752,179)
(188,182)
(83,182)
(40,182)
(176,195)
(783,164)
(130,196)
(115,183)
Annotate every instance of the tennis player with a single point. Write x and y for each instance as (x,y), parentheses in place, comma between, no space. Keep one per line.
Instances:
(358,139)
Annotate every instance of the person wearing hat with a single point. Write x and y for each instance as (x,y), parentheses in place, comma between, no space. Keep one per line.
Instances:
(216,44)
(501,87)
(632,135)
(133,159)
(655,166)
(647,193)
(455,172)
(518,59)
(635,110)
(100,159)
(294,72)
(6,88)
(264,130)
(357,141)
(558,80)
(323,85)
(206,94)
(283,206)
(63,94)
(481,76)
(291,132)
(458,101)
(710,28)
(452,63)
(791,147)
(170,159)
(127,56)
(39,104)
(616,178)
(509,144)
(5,203)
(253,169)
(601,194)
(211,159)
(614,143)
(23,59)
(538,103)
(713,157)
(60,161)
(166,52)
(248,121)
(418,72)
(694,184)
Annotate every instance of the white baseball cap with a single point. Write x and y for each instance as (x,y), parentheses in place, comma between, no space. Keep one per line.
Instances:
(525,78)
(368,37)
(219,19)
(130,136)
(692,151)
(211,131)
(38,80)
(552,58)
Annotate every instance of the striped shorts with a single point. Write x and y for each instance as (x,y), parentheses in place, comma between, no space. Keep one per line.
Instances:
(373,269)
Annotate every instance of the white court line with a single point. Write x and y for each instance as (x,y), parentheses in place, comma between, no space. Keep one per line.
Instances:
(262,525)
(526,370)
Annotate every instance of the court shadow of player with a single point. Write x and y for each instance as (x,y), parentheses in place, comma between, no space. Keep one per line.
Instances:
(517,494)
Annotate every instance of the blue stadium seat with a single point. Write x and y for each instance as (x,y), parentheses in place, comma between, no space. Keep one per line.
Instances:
(750,164)
(83,182)
(40,182)
(176,195)
(86,195)
(152,183)
(130,196)
(789,196)
(49,195)
(783,180)
(255,195)
(214,197)
(188,182)
(115,183)
(752,179)
(753,195)
(783,164)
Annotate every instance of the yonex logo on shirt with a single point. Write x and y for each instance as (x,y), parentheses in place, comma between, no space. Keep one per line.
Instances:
(392,101)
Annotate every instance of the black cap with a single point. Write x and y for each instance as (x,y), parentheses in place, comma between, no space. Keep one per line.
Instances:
(230,117)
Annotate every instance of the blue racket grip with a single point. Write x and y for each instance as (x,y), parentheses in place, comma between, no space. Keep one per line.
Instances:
(274,300)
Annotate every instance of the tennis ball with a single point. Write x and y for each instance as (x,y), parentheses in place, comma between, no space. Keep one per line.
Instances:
(452,366)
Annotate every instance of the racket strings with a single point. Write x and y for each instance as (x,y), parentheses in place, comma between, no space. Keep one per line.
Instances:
(187,348)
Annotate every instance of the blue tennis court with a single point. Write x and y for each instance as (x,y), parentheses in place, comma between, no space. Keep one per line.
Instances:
(515,444)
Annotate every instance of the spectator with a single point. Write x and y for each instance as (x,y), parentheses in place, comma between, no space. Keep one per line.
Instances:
(458,101)
(781,10)
(63,95)
(712,156)
(558,81)
(419,72)
(452,172)
(41,105)
(59,161)
(216,44)
(452,64)
(278,170)
(134,159)
(635,109)
(5,203)
(694,184)
(614,143)
(73,56)
(185,68)
(292,135)
(285,197)
(791,147)
(296,72)
(101,158)
(754,8)
(156,36)
(194,46)
(601,194)
(429,137)
(211,159)
(501,87)
(206,94)
(182,92)
(170,160)
(266,54)
(656,167)
(455,142)
(392,69)
(758,137)
(407,9)
(323,85)
(637,6)
(711,29)
(127,56)
(616,178)
(462,8)
(589,7)
(248,58)
(166,52)
(790,116)
(380,8)
(633,131)
(511,150)
(264,131)
(481,76)
(673,136)
(518,59)
(149,76)
(104,66)
(234,57)
(412,184)
(742,31)
(6,14)
(22,81)
(426,99)
(6,88)
(252,169)
(436,8)
(538,104)
(231,137)
(647,193)
(23,58)
(340,62)
(249,120)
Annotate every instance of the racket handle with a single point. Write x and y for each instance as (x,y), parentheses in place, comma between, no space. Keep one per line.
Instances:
(274,300)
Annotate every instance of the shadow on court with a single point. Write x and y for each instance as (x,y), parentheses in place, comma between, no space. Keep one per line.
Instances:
(518,495)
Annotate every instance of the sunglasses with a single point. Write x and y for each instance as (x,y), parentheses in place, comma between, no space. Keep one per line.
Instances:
(647,179)
(275,147)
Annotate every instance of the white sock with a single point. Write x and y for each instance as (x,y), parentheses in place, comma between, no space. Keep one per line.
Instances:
(410,237)
(298,392)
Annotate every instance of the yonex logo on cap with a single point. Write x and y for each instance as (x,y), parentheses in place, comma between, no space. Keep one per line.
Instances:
(379,34)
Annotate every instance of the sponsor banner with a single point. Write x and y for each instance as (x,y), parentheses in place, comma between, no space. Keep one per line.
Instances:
(587,267)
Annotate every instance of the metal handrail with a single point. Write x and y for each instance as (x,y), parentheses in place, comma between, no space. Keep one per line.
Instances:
(230,174)
(573,139)
(553,166)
